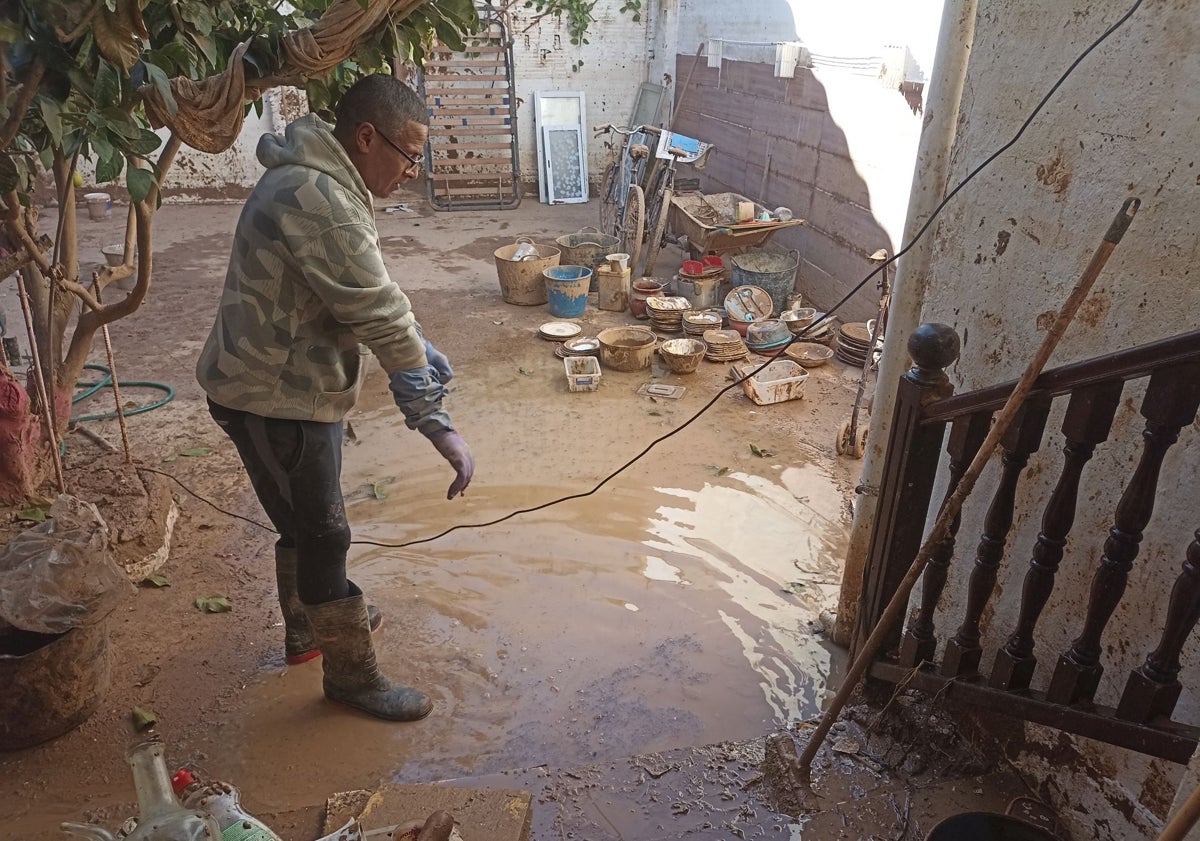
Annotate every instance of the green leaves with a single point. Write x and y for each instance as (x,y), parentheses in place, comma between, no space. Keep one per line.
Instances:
(761,453)
(143,719)
(213,604)
(140,183)
(162,85)
(35,514)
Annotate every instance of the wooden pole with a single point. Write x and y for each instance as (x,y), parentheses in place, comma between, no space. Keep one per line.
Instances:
(953,505)
(1185,819)
(40,384)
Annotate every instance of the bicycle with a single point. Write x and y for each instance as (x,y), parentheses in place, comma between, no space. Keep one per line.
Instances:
(622,199)
(660,205)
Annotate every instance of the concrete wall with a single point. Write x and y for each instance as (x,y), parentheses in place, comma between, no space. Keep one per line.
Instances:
(1008,250)
(835,146)
(199,176)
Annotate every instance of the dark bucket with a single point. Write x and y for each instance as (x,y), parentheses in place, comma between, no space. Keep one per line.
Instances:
(987,826)
(772,271)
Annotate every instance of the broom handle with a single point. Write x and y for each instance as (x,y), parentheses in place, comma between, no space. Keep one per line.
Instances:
(950,510)
(1180,825)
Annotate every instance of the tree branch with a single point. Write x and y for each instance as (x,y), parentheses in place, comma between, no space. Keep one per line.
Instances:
(16,226)
(84,25)
(29,88)
(84,295)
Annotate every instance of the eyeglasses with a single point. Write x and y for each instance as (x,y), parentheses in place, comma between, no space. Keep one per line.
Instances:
(415,163)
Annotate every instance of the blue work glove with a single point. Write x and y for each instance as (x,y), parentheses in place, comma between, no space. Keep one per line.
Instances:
(440,363)
(419,392)
(455,451)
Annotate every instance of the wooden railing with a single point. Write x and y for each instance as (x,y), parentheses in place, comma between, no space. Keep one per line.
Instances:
(1093,391)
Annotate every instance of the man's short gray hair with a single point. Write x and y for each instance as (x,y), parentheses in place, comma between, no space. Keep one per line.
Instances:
(381,100)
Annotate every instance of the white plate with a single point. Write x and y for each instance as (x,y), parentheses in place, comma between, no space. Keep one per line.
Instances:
(559,330)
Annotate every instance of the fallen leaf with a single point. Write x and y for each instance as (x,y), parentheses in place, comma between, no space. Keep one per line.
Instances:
(378,489)
(793,587)
(143,719)
(196,452)
(718,471)
(655,414)
(846,745)
(761,453)
(214,604)
(156,581)
(33,515)
(523,372)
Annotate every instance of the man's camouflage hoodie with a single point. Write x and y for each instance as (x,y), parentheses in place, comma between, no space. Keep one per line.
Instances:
(306,295)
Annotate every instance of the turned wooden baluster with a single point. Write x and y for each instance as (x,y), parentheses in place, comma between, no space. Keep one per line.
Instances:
(909,472)
(1172,398)
(963,651)
(1153,690)
(919,644)
(1087,423)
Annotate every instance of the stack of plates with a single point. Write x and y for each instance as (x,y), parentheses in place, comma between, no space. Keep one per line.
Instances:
(559,331)
(698,323)
(579,346)
(667,313)
(853,344)
(723,346)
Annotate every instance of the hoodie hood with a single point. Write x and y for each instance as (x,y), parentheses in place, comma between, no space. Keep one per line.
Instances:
(309,142)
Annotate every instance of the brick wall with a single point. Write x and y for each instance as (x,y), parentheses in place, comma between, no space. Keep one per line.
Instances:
(837,148)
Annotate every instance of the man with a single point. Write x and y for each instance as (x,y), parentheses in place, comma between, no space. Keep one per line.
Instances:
(306,290)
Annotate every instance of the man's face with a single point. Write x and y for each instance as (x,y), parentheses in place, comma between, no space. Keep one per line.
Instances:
(385,162)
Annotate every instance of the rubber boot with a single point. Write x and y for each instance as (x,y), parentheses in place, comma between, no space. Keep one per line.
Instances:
(352,676)
(298,643)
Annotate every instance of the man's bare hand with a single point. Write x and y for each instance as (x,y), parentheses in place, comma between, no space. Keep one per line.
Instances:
(455,451)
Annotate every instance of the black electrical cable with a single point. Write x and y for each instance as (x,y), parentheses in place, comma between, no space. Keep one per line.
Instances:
(882,266)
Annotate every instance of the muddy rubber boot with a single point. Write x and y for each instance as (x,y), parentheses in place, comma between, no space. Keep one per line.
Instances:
(352,676)
(298,643)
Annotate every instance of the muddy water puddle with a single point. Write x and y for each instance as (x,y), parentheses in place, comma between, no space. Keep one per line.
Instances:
(639,619)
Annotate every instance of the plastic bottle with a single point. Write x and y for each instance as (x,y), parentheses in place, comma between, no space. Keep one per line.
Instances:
(223,802)
(160,816)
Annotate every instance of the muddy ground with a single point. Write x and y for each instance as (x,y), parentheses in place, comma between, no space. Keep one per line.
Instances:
(675,607)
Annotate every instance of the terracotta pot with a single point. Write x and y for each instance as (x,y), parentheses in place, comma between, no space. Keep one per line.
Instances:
(643,289)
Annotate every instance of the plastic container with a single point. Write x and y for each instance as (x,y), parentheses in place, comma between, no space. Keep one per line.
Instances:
(223,803)
(160,815)
(586,247)
(99,205)
(682,356)
(780,381)
(583,373)
(55,682)
(567,290)
(627,348)
(776,273)
(521,280)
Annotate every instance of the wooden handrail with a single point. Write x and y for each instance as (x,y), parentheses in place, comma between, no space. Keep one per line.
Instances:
(1124,365)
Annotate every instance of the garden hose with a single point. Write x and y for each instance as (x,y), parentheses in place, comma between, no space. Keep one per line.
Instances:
(90,388)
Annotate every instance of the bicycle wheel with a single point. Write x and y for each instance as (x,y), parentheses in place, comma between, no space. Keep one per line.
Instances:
(633,226)
(609,208)
(655,243)
(654,193)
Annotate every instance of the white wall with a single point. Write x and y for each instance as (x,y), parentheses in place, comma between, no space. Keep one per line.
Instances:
(1008,251)
(614,65)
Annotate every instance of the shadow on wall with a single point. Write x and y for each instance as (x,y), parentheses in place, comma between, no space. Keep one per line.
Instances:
(778,142)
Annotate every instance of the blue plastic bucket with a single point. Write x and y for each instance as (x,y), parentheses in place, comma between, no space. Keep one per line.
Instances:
(567,290)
